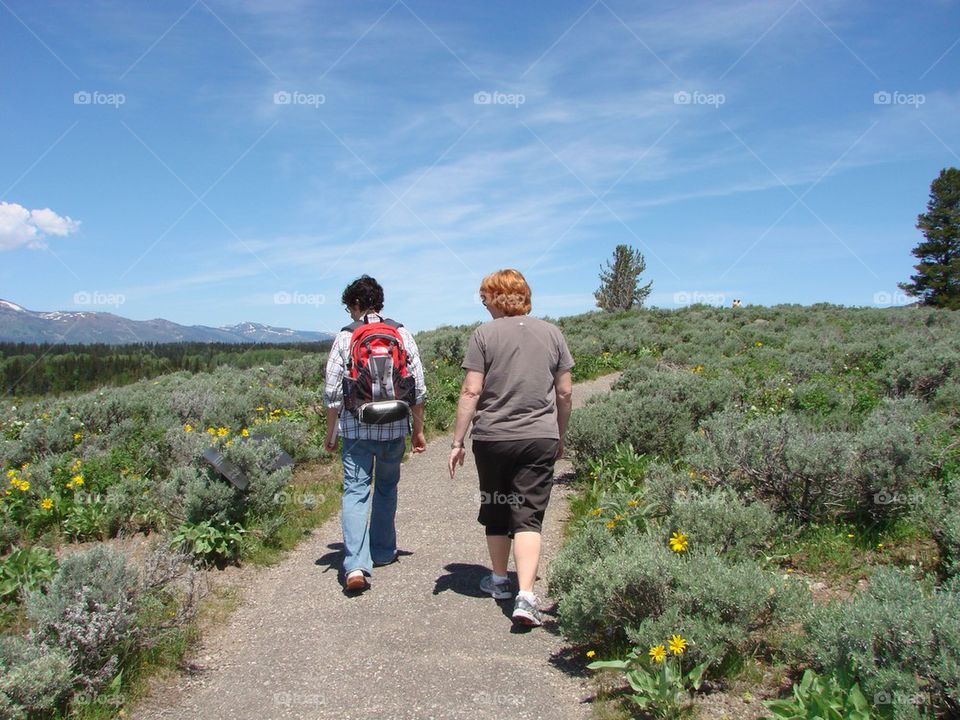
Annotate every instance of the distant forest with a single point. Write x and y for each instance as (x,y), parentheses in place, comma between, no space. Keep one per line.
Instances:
(30,369)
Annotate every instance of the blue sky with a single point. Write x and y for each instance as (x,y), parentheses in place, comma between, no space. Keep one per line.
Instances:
(212,162)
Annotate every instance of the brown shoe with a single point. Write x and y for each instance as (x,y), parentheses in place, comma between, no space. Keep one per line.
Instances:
(357,581)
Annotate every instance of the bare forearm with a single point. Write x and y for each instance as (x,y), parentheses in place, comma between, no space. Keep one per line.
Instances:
(417,411)
(466,409)
(564,408)
(332,418)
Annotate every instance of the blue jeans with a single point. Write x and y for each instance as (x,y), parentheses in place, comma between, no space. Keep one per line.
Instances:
(376,541)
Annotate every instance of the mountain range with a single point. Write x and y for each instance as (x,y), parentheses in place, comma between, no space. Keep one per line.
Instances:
(17,324)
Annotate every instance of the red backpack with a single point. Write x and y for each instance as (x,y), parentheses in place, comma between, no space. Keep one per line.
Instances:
(378,387)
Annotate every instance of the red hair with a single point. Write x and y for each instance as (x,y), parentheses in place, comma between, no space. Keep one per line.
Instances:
(507,291)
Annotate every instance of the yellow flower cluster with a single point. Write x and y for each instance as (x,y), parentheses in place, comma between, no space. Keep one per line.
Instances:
(18,479)
(677,645)
(679,541)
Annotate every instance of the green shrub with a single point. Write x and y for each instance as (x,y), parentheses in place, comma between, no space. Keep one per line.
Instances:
(719,520)
(819,476)
(776,458)
(33,679)
(88,612)
(893,456)
(654,415)
(899,637)
(25,569)
(836,696)
(630,587)
(209,542)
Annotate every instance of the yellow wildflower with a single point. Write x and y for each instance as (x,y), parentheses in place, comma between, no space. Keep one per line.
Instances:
(611,525)
(11,473)
(77,479)
(245,432)
(632,503)
(211,431)
(46,503)
(223,432)
(188,428)
(758,344)
(657,653)
(76,436)
(24,485)
(678,542)
(596,511)
(677,645)
(259,408)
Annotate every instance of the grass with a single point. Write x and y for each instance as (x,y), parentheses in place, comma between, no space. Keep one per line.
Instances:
(844,553)
(314,496)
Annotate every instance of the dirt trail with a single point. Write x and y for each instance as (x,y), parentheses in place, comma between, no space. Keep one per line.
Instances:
(423,642)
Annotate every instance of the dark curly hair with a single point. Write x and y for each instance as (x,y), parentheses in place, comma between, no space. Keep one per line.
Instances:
(365,292)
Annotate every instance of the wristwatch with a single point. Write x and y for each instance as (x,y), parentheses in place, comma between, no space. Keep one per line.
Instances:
(455,446)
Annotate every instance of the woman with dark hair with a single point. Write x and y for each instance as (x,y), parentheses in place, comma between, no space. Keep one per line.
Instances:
(518,392)
(366,445)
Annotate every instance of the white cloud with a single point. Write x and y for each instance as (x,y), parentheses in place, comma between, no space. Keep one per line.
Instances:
(19,226)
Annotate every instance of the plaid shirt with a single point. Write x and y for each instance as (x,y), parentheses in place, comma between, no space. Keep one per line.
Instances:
(350,427)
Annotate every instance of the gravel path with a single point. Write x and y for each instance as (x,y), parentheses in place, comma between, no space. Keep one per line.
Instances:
(423,642)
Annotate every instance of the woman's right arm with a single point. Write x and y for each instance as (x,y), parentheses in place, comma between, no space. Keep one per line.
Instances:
(466,409)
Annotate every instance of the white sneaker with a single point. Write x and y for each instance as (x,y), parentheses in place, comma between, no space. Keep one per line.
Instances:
(526,612)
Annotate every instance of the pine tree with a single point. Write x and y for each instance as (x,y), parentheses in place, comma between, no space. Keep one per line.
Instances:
(618,283)
(937,282)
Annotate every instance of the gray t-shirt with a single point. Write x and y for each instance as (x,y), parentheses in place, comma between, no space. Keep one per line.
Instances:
(519,357)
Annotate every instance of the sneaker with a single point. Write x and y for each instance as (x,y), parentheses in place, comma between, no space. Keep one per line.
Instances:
(499,590)
(357,581)
(526,612)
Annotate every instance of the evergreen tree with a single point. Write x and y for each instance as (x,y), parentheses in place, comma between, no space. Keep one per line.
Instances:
(619,289)
(937,281)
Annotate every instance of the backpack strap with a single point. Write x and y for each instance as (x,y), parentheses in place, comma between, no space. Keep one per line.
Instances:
(359,324)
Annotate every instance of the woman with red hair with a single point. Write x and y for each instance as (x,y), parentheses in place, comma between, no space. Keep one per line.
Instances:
(518,393)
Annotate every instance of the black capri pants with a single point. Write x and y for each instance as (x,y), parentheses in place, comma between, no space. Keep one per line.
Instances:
(516,477)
